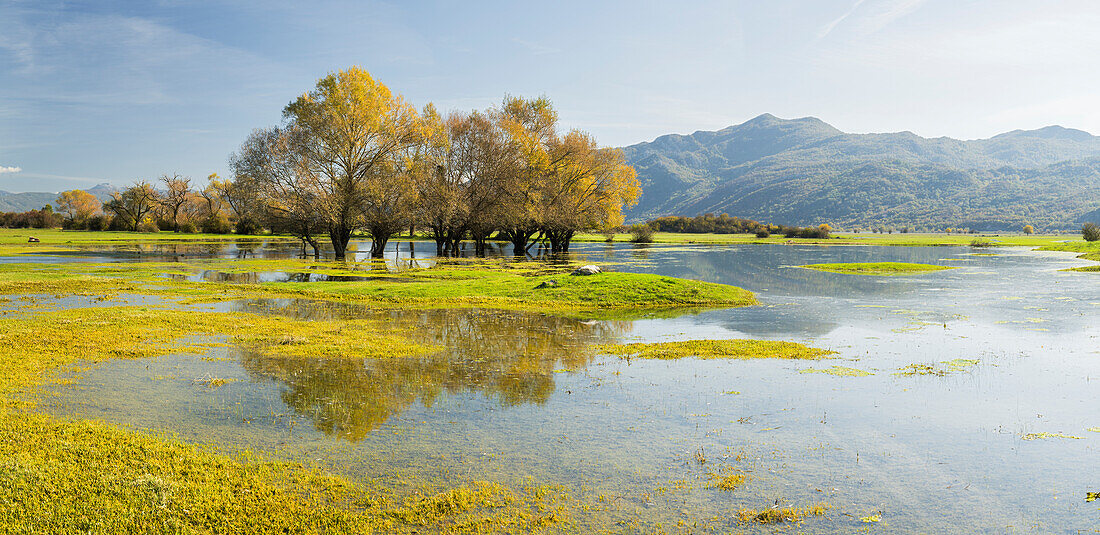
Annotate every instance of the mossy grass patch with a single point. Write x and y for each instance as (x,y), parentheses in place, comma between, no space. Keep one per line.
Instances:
(877,268)
(715,349)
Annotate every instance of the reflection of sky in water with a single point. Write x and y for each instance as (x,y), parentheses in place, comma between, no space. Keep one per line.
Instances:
(517,395)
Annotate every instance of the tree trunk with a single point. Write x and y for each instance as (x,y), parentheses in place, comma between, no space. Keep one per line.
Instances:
(340,236)
(378,246)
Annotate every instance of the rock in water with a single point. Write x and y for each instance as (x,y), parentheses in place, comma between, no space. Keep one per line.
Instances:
(586,270)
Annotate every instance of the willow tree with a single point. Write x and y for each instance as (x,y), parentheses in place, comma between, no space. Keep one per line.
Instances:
(355,136)
(460,188)
(558,185)
(283,193)
(133,203)
(77,206)
(177,193)
(586,188)
(530,130)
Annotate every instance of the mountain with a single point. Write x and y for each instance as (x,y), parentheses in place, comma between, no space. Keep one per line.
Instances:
(804,171)
(22,202)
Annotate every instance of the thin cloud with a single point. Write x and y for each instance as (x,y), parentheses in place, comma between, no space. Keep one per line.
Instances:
(874,17)
(535,48)
(828,28)
(10,169)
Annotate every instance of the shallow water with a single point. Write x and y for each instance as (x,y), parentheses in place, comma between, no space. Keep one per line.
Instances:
(516,396)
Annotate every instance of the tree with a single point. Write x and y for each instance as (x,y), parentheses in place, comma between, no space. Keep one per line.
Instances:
(353,132)
(529,128)
(240,195)
(134,203)
(459,185)
(214,217)
(1090,232)
(176,195)
(1028,229)
(270,165)
(77,206)
(586,188)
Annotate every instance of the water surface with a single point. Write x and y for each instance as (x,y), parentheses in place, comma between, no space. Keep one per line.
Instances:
(517,396)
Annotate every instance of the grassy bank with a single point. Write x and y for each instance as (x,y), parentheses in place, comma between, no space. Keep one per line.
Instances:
(876,268)
(898,239)
(14,241)
(525,286)
(1088,250)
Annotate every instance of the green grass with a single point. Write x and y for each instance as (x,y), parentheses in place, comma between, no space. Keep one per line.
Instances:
(483,284)
(876,268)
(897,239)
(715,349)
(1088,250)
(56,239)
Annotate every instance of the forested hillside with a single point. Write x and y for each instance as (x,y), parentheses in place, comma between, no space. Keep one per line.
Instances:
(804,172)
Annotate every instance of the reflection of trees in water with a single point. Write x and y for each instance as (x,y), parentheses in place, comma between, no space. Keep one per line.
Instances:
(506,356)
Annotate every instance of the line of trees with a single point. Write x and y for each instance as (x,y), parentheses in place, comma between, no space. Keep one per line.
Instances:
(176,206)
(352,157)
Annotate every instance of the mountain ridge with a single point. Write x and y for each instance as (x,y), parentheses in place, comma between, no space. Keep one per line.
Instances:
(805,171)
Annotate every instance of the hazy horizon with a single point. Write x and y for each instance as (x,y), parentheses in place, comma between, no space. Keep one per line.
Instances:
(112,93)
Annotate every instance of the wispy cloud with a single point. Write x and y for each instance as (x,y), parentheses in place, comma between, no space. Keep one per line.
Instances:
(828,28)
(886,12)
(10,169)
(875,16)
(535,48)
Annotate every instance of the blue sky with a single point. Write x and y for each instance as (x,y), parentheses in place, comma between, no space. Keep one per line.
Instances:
(111,91)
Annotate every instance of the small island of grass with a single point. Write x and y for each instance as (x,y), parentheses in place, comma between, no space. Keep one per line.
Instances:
(876,268)
(715,349)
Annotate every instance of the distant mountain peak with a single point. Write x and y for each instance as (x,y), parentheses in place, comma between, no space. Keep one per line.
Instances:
(1055,132)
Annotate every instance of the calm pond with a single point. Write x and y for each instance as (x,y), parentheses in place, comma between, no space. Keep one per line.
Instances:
(518,398)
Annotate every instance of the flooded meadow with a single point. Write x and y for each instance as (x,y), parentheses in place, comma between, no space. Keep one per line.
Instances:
(956,401)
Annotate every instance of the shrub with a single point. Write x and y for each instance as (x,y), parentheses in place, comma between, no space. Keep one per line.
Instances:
(1090,232)
(99,222)
(188,228)
(120,223)
(762,233)
(148,226)
(819,232)
(216,225)
(641,233)
(978,242)
(246,225)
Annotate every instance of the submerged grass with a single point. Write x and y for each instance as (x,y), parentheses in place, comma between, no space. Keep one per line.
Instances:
(60,476)
(1044,435)
(715,349)
(876,268)
(839,371)
(728,480)
(938,369)
(776,515)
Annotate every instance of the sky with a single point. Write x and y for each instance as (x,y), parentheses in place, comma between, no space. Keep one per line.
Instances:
(113,91)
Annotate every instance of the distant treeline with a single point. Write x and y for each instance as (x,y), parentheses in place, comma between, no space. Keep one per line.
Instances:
(44,218)
(725,224)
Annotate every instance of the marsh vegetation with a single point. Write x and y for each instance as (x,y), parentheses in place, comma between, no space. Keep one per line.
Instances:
(452,396)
